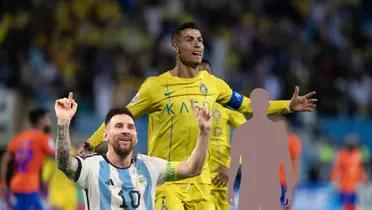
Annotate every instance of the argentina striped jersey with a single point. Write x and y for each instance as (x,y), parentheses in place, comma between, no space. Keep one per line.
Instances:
(108,187)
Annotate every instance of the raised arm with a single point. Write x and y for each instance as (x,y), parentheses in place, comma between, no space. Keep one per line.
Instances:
(65,109)
(194,164)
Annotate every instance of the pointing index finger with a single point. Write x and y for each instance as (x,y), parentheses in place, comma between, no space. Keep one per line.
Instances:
(70,96)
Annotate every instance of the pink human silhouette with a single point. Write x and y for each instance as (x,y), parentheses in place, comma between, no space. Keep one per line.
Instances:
(263,146)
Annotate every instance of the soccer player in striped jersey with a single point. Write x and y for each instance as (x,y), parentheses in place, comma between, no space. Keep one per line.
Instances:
(121,179)
(172,132)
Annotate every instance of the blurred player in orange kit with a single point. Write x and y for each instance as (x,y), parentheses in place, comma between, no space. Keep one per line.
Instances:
(295,149)
(28,150)
(347,172)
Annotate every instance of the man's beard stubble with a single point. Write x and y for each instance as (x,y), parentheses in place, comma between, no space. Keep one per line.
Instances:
(122,153)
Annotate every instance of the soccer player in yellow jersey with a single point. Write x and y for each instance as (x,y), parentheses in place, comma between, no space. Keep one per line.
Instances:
(172,132)
(219,148)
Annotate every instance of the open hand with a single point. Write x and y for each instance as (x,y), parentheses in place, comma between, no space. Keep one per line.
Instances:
(303,103)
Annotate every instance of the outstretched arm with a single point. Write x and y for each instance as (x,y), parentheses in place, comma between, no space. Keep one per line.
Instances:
(194,164)
(65,109)
(298,103)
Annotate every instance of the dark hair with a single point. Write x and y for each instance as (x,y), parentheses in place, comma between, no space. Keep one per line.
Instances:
(36,114)
(182,27)
(116,111)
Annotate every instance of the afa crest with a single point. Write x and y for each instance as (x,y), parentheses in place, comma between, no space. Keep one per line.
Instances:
(141,181)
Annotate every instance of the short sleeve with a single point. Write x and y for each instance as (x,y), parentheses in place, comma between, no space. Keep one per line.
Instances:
(82,172)
(225,92)
(232,99)
(143,101)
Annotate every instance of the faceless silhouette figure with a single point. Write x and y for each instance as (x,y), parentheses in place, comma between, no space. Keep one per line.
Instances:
(263,146)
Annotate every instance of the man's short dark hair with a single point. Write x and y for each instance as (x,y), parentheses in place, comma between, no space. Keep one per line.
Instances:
(182,27)
(36,114)
(116,111)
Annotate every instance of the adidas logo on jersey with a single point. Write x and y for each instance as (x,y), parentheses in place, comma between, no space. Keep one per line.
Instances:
(109,182)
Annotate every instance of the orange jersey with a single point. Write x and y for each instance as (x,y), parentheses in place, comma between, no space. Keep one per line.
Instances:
(29,149)
(295,149)
(348,170)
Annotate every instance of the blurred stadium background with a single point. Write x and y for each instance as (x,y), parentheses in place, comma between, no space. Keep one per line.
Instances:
(104,49)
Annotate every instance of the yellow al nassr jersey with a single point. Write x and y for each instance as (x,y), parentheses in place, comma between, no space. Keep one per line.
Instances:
(223,119)
(172,127)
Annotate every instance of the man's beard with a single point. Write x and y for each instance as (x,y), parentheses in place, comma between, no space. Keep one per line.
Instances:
(122,153)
